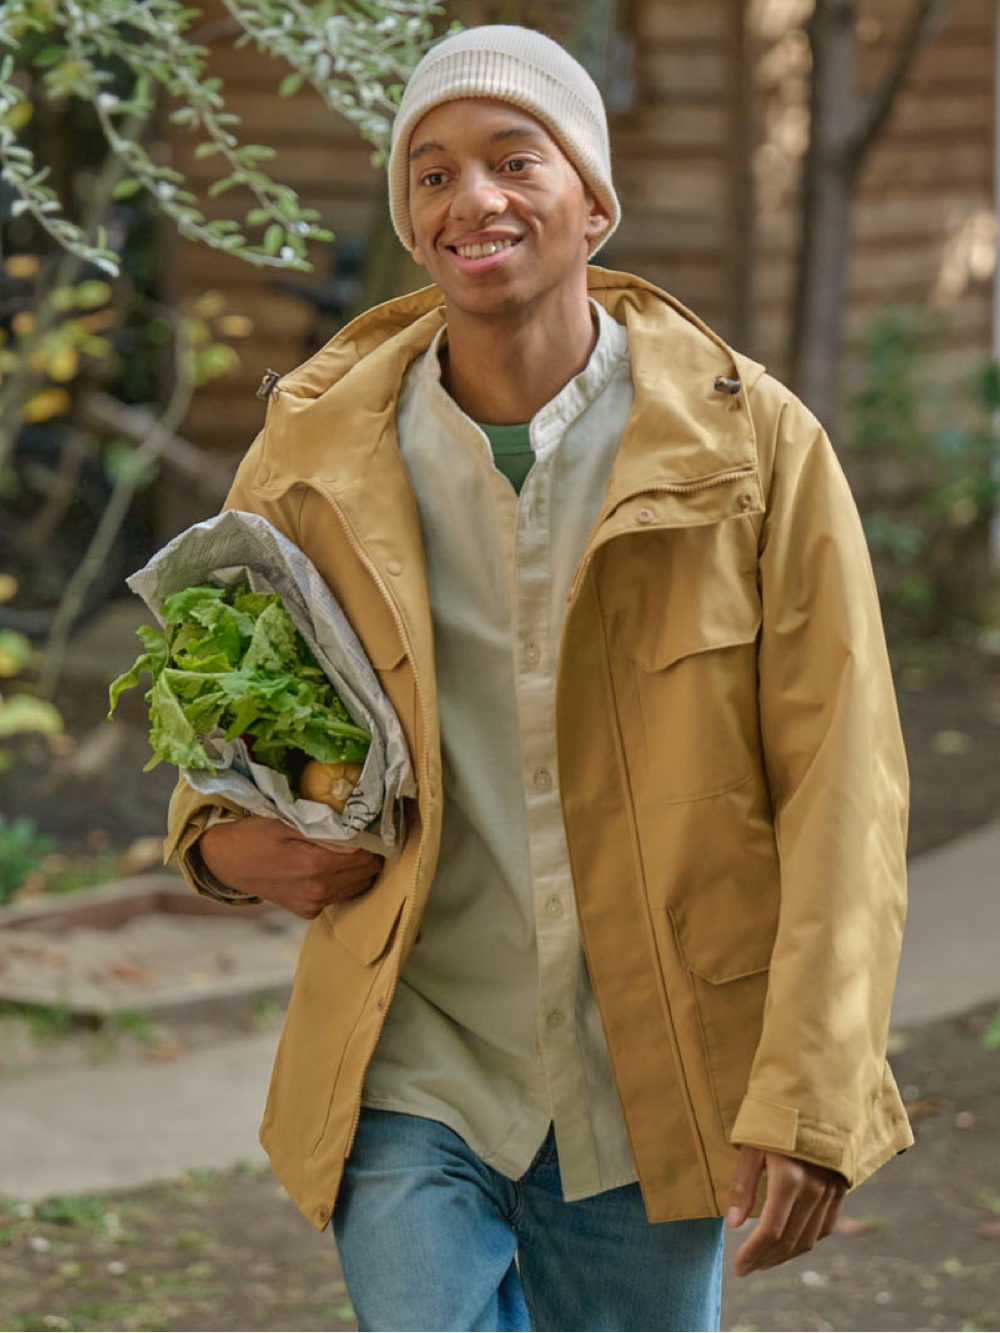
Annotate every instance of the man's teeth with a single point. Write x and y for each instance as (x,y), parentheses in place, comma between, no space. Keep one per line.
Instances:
(481,251)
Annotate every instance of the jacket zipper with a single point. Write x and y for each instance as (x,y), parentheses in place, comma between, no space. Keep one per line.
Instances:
(407,911)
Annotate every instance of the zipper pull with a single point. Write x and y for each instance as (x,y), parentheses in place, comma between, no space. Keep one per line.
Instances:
(267,384)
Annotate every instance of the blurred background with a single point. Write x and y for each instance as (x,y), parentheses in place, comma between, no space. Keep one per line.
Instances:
(192,198)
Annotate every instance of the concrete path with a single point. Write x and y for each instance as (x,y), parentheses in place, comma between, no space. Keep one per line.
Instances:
(122,1125)
(951,946)
(105,1127)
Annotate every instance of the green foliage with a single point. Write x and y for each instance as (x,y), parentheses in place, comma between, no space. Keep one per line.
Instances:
(242,666)
(19,713)
(46,1022)
(930,456)
(991,1037)
(120,58)
(86,1211)
(22,851)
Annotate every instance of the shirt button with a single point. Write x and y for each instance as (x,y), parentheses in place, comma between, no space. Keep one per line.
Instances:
(394,567)
(555,1019)
(645,516)
(532,653)
(543,779)
(553,906)
(745,500)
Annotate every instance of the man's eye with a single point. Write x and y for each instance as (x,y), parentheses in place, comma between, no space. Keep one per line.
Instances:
(432,178)
(517,164)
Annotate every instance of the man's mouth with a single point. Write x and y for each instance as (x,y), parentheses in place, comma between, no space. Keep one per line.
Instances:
(483,250)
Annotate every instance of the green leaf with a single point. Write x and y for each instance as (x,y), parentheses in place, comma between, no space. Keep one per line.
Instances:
(49,55)
(93,294)
(127,188)
(21,713)
(239,664)
(171,735)
(291,84)
(15,652)
(274,238)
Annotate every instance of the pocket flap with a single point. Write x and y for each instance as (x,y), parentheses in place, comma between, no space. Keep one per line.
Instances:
(365,925)
(718,613)
(382,642)
(733,942)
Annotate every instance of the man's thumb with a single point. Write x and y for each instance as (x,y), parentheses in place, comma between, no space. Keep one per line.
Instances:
(743,1190)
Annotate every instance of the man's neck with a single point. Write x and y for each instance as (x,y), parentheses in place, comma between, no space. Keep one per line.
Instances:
(502,372)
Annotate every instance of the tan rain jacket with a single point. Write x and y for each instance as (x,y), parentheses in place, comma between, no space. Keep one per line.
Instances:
(732,772)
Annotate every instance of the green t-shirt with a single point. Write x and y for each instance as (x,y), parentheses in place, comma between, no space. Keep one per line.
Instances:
(512,451)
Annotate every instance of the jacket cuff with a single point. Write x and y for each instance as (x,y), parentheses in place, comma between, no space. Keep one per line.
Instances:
(197,873)
(775,1128)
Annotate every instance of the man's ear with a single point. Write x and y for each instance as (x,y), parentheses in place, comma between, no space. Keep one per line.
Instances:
(598,219)
(417,255)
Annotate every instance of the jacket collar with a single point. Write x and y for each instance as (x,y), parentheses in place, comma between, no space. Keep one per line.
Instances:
(332,420)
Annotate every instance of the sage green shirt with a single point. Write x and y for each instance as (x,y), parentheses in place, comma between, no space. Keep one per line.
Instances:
(512,451)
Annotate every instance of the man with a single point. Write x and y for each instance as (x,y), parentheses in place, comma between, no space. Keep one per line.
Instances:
(612,580)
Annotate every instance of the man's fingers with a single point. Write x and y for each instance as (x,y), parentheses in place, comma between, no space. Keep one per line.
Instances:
(800,1233)
(743,1190)
(778,1205)
(800,1208)
(832,1212)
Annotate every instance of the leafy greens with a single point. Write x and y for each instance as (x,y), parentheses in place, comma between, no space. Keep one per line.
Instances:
(241,665)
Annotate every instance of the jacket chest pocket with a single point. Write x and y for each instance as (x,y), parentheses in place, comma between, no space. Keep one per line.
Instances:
(683,638)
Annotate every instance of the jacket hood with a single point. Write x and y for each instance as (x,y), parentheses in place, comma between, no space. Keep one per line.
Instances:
(690,389)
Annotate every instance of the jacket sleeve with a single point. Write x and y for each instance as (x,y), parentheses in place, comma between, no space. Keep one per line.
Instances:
(836,769)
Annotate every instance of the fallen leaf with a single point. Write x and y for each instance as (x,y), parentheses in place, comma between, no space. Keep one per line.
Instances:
(952,742)
(988,1199)
(127,971)
(922,1107)
(858,1226)
(953,1267)
(165,1050)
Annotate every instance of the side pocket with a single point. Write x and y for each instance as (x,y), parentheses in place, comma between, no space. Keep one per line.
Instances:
(729,1002)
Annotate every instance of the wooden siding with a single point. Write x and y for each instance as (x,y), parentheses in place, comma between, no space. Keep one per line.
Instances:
(923,228)
(706,163)
(677,154)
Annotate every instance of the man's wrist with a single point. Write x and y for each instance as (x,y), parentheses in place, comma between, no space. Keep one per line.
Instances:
(209,883)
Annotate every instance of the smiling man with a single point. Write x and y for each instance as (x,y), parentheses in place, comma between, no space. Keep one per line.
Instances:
(632,972)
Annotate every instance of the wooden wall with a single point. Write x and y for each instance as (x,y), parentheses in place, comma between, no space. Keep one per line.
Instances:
(706,156)
(925,225)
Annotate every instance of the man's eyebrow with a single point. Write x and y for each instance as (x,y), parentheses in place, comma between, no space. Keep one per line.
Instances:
(428,147)
(518,132)
(509,132)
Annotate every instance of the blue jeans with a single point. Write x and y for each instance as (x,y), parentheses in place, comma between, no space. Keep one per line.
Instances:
(432,1238)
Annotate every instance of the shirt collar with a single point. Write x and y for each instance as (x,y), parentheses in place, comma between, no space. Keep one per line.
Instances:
(552,421)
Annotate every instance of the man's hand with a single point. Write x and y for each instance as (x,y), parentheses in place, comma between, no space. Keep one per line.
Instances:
(800,1207)
(268,858)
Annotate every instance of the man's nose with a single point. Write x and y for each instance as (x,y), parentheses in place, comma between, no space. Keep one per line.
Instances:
(478,196)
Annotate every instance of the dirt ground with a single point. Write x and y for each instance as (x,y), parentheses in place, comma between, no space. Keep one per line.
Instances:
(920,1248)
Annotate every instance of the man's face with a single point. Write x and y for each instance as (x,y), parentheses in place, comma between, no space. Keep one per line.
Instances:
(500,216)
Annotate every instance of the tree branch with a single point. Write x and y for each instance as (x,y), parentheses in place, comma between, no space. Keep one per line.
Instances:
(160,437)
(925,23)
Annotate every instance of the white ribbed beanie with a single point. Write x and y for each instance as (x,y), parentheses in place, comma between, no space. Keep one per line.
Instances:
(516,65)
